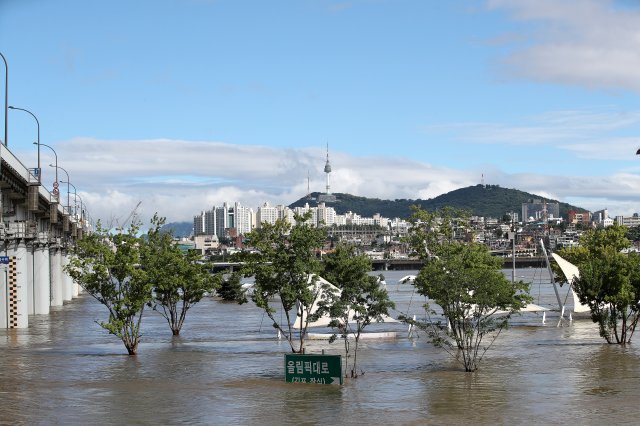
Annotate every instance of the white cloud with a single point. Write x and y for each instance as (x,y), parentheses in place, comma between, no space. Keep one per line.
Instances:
(178,178)
(549,128)
(582,134)
(606,149)
(592,43)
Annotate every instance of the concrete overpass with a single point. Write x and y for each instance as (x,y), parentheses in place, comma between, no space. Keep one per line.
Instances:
(36,233)
(416,264)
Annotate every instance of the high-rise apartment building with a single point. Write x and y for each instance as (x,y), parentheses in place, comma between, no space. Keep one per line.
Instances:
(204,223)
(198,224)
(266,214)
(220,218)
(325,215)
(243,219)
(301,211)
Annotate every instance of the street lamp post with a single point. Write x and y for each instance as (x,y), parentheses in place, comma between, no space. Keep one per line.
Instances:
(82,207)
(38,123)
(56,192)
(75,197)
(67,173)
(6,98)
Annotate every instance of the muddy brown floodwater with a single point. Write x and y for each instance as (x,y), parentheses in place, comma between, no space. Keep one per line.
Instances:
(227,368)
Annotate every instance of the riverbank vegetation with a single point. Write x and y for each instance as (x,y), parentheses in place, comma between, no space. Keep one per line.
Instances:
(106,266)
(179,280)
(126,272)
(474,297)
(609,281)
(285,267)
(360,301)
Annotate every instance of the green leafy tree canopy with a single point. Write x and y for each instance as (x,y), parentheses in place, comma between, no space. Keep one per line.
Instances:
(179,280)
(107,267)
(475,299)
(285,267)
(361,300)
(609,281)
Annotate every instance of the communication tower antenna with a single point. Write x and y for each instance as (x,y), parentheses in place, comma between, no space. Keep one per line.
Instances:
(327,170)
(482,181)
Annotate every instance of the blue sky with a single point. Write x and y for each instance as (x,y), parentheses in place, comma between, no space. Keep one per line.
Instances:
(185,104)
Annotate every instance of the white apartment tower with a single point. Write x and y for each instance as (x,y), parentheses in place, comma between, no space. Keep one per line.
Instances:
(244,218)
(266,214)
(218,219)
(325,215)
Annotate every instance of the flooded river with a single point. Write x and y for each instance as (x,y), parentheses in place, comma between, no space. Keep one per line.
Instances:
(227,368)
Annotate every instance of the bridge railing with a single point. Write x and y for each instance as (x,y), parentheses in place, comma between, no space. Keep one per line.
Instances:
(13,162)
(30,176)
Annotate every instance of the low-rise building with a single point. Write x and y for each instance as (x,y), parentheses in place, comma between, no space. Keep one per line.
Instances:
(205,244)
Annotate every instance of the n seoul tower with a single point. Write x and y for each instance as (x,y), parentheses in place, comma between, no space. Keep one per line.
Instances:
(327,170)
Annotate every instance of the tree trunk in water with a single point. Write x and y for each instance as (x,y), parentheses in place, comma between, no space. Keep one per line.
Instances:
(354,370)
(132,348)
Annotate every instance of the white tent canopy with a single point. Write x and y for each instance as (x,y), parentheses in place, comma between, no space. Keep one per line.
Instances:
(321,287)
(571,273)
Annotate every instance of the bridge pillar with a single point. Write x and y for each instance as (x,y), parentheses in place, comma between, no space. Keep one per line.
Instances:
(15,298)
(67,293)
(75,286)
(66,279)
(30,281)
(4,296)
(41,280)
(56,277)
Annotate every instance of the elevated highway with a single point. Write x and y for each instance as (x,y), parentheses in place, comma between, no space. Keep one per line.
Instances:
(406,264)
(36,234)
(416,264)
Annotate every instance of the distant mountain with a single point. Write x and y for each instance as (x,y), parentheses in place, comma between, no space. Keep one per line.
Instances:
(179,229)
(480,200)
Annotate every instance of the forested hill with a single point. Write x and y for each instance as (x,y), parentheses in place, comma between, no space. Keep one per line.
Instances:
(481,200)
(179,229)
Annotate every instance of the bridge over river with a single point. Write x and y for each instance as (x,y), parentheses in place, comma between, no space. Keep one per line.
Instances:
(411,264)
(36,233)
(415,264)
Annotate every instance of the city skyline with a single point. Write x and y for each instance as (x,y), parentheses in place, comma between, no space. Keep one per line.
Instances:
(184,104)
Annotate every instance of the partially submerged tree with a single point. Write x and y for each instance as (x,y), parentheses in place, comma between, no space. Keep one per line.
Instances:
(285,268)
(609,281)
(476,300)
(106,266)
(231,290)
(360,302)
(179,280)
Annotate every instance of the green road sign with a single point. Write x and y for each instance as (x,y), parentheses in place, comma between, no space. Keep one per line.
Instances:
(315,369)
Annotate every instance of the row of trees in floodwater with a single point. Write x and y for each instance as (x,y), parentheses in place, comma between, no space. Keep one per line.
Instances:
(128,273)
